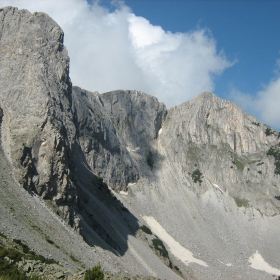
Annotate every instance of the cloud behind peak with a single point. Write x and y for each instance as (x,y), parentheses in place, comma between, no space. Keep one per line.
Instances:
(120,50)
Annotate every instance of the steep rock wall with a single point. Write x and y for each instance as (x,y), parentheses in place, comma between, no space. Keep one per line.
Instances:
(213,141)
(37,128)
(105,151)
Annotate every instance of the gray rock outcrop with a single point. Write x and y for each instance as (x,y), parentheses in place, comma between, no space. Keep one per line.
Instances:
(214,140)
(105,152)
(137,116)
(37,129)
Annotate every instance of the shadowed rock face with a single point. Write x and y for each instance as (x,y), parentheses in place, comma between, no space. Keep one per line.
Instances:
(137,116)
(105,151)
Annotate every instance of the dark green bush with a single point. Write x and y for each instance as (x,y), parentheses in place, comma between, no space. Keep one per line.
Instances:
(13,254)
(275,152)
(145,229)
(95,273)
(73,259)
(268,131)
(24,247)
(159,246)
(197,176)
(49,241)
(240,166)
(241,202)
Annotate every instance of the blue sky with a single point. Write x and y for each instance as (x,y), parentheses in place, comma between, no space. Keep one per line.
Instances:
(174,49)
(247,31)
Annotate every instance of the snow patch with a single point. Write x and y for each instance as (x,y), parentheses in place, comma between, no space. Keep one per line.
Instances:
(123,193)
(215,185)
(175,247)
(160,131)
(257,262)
(133,150)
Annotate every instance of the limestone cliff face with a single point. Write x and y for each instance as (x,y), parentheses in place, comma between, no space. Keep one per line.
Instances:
(214,141)
(111,127)
(36,99)
(137,116)
(105,151)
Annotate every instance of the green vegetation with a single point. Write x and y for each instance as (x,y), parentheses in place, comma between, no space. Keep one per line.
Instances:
(159,246)
(197,176)
(269,131)
(255,123)
(24,247)
(73,259)
(95,273)
(8,271)
(240,166)
(275,152)
(100,179)
(49,241)
(241,202)
(145,229)
(176,267)
(8,258)
(260,163)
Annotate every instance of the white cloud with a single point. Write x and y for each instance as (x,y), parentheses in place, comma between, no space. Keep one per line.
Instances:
(119,50)
(265,104)
(268,103)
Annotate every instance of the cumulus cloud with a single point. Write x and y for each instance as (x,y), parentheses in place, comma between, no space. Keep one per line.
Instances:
(120,50)
(265,104)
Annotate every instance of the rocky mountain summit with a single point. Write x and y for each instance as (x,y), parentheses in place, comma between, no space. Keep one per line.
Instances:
(191,192)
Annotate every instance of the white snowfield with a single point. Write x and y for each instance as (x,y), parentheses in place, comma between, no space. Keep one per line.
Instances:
(175,247)
(257,262)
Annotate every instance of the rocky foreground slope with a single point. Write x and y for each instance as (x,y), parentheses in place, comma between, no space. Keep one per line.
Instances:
(191,192)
